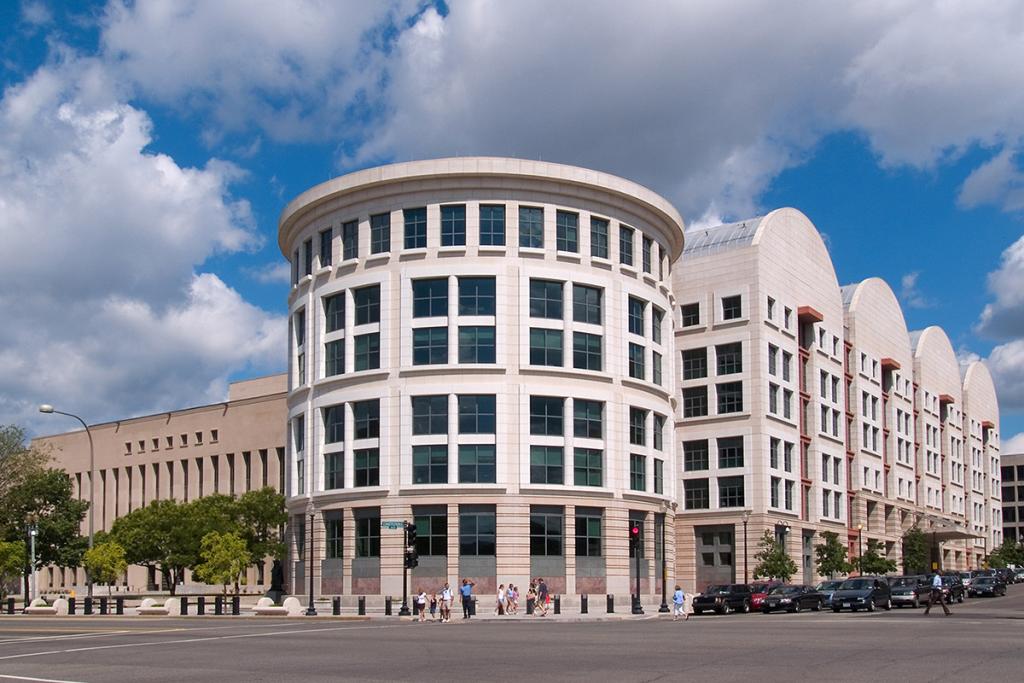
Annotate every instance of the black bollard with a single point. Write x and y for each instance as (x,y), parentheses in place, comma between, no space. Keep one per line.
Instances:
(184,606)
(530,602)
(103,605)
(583,604)
(88,605)
(71,606)
(119,606)
(10,605)
(336,606)
(362,605)
(201,605)
(558,604)
(387,606)
(218,605)
(236,605)
(611,604)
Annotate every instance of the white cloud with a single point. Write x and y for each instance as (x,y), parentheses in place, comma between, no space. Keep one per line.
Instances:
(910,294)
(1015,444)
(36,13)
(103,312)
(998,181)
(1004,317)
(271,273)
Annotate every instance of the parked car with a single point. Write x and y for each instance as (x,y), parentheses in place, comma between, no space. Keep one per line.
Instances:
(952,588)
(792,599)
(722,598)
(1006,575)
(760,590)
(987,585)
(828,589)
(1018,575)
(966,578)
(909,590)
(863,592)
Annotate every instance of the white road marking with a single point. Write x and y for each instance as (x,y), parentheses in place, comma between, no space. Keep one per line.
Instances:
(102,634)
(192,640)
(40,680)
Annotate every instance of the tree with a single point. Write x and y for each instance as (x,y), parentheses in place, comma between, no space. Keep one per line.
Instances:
(224,557)
(18,461)
(772,560)
(1006,554)
(832,555)
(872,561)
(261,516)
(915,551)
(105,562)
(12,562)
(155,536)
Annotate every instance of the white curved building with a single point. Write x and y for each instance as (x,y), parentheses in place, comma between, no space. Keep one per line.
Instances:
(481,345)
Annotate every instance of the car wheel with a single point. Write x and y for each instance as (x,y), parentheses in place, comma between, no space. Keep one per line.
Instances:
(960,599)
(871,605)
(916,603)
(816,607)
(835,610)
(888,605)
(765,610)
(698,611)
(795,608)
(723,610)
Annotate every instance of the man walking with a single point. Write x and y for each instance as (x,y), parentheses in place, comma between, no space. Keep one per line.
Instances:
(936,595)
(466,592)
(446,603)
(542,596)
(679,603)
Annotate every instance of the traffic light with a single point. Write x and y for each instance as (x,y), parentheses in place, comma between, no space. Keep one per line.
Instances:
(410,534)
(634,538)
(412,558)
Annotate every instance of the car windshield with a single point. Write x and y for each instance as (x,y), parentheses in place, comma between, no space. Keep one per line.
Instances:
(948,579)
(965,575)
(985,579)
(905,581)
(737,588)
(829,585)
(786,590)
(758,587)
(716,589)
(856,584)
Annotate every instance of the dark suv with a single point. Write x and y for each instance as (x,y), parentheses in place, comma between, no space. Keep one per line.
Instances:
(952,588)
(909,590)
(863,592)
(723,598)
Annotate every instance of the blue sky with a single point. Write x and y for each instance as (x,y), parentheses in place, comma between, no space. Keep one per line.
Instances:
(147,148)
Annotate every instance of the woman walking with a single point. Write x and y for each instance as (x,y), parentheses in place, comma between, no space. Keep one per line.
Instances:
(679,604)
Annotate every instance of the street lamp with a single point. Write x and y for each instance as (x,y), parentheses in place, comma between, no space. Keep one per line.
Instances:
(860,548)
(664,561)
(746,518)
(33,529)
(49,410)
(311,610)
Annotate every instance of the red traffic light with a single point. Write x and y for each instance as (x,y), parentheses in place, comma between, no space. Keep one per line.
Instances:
(635,531)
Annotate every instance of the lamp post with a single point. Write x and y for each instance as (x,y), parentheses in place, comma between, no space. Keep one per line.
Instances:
(746,518)
(49,410)
(860,548)
(311,610)
(664,563)
(33,529)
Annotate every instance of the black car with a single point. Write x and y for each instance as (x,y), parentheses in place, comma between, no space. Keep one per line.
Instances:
(952,588)
(863,592)
(987,585)
(792,599)
(722,598)
(1006,575)
(828,589)
(909,590)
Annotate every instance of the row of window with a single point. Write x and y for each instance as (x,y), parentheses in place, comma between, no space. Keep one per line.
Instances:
(728,395)
(728,361)
(183,441)
(732,309)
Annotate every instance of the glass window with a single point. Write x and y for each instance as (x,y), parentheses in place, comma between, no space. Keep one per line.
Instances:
(730,492)
(545,299)
(586,351)
(545,347)
(476,530)
(586,304)
(730,452)
(636,315)
(659,432)
(599,237)
(659,476)
(453,225)
(350,240)
(492,225)
(430,298)
(326,242)
(695,455)
(773,359)
(695,402)
(415,228)
(546,465)
(695,363)
(431,530)
(697,495)
(476,464)
(430,464)
(476,296)
(637,367)
(638,426)
(334,526)
(730,397)
(367,351)
(476,344)
(730,358)
(367,532)
(334,358)
(588,470)
(429,345)
(334,424)
(588,418)
(367,305)
(588,532)
(637,472)
(657,318)
(476,414)
(307,249)
(567,231)
(731,307)
(334,312)
(334,470)
(626,245)
(366,416)
(300,327)
(380,233)
(366,465)
(295,267)
(546,415)
(646,254)
(531,227)
(690,314)
(546,530)
(656,375)
(430,414)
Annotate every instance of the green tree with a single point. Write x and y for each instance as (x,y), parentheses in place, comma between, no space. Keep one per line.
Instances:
(224,557)
(873,562)
(12,562)
(105,562)
(772,560)
(155,536)
(831,555)
(261,517)
(1006,554)
(17,460)
(915,551)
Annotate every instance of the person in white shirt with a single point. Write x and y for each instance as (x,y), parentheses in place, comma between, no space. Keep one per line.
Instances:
(502,605)
(421,604)
(937,595)
(446,603)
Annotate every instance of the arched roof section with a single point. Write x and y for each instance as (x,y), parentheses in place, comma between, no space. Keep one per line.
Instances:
(875,319)
(791,251)
(721,237)
(980,399)
(935,364)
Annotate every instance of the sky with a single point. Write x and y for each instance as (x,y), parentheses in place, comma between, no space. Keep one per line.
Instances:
(148,147)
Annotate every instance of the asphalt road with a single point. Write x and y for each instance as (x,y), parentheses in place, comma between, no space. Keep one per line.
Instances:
(980,641)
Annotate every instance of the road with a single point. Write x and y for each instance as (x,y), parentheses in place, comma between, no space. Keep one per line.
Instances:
(980,641)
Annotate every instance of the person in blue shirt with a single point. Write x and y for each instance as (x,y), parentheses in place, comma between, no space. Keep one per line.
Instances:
(679,604)
(937,595)
(466,591)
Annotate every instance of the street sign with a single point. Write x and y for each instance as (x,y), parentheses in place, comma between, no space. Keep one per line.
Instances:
(392,524)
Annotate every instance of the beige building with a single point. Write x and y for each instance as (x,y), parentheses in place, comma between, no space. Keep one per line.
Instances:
(230,448)
(1012,475)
